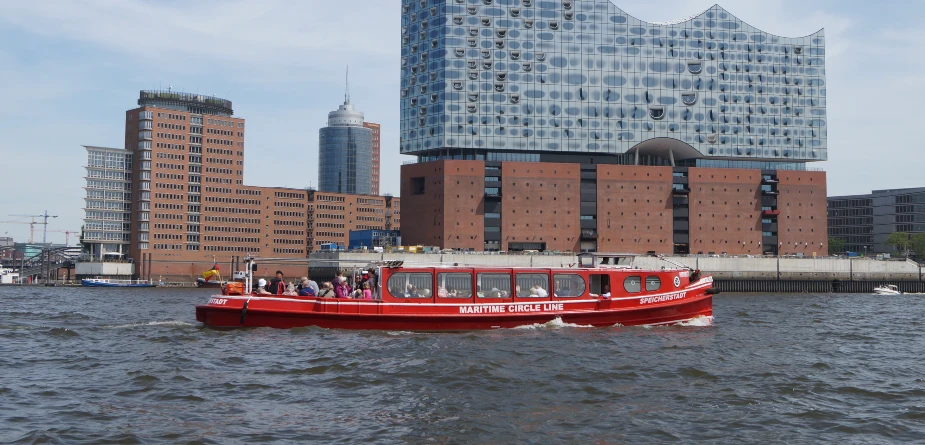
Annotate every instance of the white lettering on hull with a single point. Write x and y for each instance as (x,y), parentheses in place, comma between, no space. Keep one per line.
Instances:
(219,301)
(663,298)
(511,308)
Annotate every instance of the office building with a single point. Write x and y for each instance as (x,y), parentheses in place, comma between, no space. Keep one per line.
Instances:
(108,203)
(175,197)
(864,222)
(570,125)
(345,154)
(376,155)
(333,216)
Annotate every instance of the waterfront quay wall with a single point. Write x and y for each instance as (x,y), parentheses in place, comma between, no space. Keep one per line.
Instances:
(722,268)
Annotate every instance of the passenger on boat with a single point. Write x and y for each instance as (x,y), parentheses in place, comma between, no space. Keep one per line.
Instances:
(606,293)
(442,292)
(367,294)
(327,290)
(478,291)
(306,288)
(539,291)
(277,285)
(341,289)
(373,281)
(290,290)
(413,293)
(262,287)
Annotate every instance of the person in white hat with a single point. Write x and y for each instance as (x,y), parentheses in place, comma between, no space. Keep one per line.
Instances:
(262,287)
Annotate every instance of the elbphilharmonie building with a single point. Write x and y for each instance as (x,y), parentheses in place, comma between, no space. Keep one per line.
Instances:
(583,82)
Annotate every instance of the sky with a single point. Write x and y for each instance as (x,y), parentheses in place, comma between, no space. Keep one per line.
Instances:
(69,70)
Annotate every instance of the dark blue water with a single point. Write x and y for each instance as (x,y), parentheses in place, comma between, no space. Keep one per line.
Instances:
(108,366)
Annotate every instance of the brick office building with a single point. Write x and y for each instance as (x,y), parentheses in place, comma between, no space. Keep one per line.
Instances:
(573,126)
(190,207)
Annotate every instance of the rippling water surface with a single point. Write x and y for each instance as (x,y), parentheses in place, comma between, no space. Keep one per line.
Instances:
(110,366)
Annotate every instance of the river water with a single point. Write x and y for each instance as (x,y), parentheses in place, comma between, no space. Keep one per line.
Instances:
(113,366)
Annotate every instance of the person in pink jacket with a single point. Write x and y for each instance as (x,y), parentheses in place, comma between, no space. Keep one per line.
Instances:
(367,294)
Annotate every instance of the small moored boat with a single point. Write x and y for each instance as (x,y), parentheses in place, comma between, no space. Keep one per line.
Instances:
(604,290)
(888,289)
(105,282)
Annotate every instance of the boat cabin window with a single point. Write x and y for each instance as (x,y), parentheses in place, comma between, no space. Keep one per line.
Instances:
(633,284)
(569,285)
(454,285)
(411,284)
(653,283)
(532,285)
(600,282)
(493,285)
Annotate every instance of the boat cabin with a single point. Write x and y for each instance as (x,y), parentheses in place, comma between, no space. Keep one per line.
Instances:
(596,276)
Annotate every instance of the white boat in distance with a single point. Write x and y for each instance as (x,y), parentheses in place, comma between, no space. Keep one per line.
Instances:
(888,289)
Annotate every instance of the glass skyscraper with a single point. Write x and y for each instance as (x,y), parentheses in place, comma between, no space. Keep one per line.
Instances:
(520,79)
(345,153)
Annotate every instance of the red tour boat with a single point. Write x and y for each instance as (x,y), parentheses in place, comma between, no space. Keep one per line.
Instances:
(602,290)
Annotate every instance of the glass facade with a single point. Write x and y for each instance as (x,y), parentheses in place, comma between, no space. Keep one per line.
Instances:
(582,76)
(345,164)
(865,222)
(108,201)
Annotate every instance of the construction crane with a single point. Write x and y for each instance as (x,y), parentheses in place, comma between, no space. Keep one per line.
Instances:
(67,235)
(31,228)
(45,230)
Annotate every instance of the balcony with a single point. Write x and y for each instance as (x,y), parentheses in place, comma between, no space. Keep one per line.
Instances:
(680,191)
(589,233)
(770,192)
(770,212)
(769,180)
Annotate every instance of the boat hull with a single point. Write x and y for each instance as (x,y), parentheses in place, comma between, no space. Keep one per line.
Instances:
(87,283)
(289,312)
(208,284)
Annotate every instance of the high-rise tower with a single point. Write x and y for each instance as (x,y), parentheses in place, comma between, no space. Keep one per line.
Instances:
(345,155)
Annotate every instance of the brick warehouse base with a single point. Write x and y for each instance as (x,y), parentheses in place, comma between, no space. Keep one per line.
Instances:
(481,205)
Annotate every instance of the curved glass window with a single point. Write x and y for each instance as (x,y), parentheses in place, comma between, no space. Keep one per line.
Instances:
(633,284)
(695,67)
(532,285)
(569,285)
(493,285)
(411,285)
(653,283)
(689,98)
(656,113)
(454,285)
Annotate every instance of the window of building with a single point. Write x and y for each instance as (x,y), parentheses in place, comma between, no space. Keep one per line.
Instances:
(417,185)
(657,113)
(695,67)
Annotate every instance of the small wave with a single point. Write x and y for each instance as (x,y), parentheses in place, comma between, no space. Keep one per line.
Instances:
(698,321)
(169,323)
(555,323)
(62,332)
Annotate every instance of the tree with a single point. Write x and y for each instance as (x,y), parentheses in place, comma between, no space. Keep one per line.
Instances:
(917,243)
(836,245)
(900,241)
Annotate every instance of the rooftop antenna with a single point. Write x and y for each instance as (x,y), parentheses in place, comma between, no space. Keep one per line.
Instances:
(347,92)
